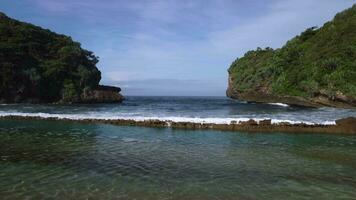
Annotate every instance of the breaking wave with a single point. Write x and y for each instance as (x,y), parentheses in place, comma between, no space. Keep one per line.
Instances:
(201,120)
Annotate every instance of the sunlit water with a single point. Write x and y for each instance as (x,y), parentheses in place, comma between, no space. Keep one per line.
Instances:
(187,109)
(68,160)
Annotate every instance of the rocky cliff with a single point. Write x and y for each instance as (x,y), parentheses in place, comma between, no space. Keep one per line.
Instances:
(264,95)
(316,68)
(38,65)
(102,94)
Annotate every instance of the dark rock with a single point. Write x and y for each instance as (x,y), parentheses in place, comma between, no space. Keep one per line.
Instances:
(344,126)
(347,122)
(103,94)
(265,122)
(250,122)
(264,96)
(109,88)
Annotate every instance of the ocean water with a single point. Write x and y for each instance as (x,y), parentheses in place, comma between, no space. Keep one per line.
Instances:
(71,160)
(186,109)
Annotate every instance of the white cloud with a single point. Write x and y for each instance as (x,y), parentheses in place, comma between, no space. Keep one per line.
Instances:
(284,20)
(188,40)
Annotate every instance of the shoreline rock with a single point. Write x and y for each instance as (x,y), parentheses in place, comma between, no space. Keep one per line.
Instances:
(102,94)
(264,96)
(342,126)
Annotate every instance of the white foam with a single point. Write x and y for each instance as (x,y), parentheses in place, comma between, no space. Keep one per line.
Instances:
(200,120)
(279,104)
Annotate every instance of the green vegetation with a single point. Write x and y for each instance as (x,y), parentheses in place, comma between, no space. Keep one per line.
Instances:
(317,61)
(38,65)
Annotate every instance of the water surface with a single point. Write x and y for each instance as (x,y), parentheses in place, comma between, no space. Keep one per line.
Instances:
(187,109)
(68,160)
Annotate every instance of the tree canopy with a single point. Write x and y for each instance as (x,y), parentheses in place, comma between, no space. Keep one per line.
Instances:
(42,66)
(319,59)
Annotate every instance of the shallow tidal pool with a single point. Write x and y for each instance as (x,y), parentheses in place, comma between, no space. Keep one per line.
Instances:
(68,160)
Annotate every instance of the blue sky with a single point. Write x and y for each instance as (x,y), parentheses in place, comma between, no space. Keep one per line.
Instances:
(173,47)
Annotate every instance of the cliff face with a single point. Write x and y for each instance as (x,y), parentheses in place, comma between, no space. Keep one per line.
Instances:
(38,65)
(316,68)
(263,95)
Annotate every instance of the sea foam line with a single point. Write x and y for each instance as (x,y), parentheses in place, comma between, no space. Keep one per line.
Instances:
(198,120)
(279,104)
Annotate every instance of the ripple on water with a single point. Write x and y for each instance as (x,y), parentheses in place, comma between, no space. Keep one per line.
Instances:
(71,160)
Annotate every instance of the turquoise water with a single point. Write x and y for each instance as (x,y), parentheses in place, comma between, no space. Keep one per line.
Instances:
(68,160)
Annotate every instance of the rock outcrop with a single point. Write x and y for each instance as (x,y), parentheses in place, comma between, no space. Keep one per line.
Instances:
(102,94)
(316,68)
(343,126)
(41,66)
(263,95)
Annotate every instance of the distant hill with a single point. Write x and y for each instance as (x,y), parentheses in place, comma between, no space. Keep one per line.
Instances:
(316,68)
(38,65)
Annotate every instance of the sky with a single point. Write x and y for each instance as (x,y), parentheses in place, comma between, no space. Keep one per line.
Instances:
(173,47)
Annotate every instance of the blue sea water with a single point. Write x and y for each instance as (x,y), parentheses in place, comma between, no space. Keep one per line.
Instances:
(71,160)
(190,109)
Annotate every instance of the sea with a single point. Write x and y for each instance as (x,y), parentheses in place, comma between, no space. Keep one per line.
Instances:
(71,160)
(219,110)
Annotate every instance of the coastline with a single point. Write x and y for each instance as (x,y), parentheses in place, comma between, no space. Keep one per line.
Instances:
(341,126)
(320,100)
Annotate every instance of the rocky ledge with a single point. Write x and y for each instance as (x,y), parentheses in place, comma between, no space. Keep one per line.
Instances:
(102,94)
(263,94)
(342,126)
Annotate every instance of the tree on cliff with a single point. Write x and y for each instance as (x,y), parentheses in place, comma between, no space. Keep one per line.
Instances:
(42,66)
(319,61)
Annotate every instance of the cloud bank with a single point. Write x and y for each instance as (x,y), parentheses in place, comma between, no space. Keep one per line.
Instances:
(172,47)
